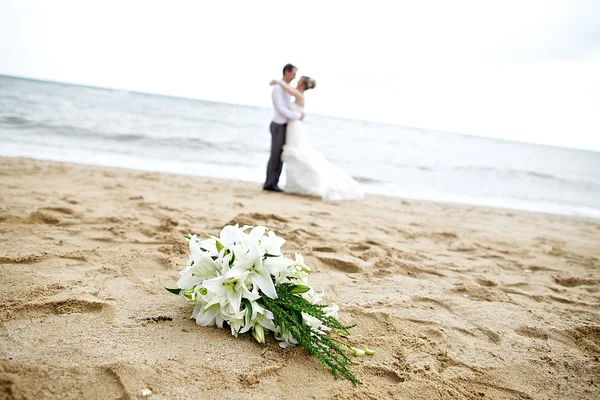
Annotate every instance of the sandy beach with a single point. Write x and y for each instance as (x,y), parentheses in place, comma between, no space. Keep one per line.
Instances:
(458,302)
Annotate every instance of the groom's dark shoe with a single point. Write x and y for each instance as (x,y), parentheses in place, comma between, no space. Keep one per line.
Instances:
(272,188)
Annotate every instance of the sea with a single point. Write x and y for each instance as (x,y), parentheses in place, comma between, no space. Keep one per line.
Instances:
(86,125)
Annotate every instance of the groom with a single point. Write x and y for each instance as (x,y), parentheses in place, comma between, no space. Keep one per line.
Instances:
(283,113)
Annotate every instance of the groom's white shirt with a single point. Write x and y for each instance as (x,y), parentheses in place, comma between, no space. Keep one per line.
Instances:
(282,103)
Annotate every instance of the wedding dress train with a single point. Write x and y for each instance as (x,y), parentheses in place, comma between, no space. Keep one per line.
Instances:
(309,173)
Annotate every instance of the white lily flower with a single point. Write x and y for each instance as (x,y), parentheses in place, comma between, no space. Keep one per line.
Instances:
(278,267)
(236,322)
(315,323)
(257,233)
(224,260)
(210,245)
(272,243)
(202,294)
(229,288)
(313,297)
(208,316)
(331,311)
(252,262)
(260,316)
(230,234)
(202,267)
(285,337)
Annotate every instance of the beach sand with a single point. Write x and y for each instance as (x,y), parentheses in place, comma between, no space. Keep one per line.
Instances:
(458,302)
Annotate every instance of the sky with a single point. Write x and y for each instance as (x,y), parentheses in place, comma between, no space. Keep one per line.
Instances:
(526,70)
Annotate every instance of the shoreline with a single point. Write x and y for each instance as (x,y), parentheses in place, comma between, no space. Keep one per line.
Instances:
(374,194)
(457,301)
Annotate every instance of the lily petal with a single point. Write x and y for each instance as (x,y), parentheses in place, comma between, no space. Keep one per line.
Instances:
(262,279)
(207,316)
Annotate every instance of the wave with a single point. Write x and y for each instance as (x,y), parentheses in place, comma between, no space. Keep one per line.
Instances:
(511,172)
(15,120)
(71,135)
(415,166)
(106,92)
(506,174)
(367,180)
(138,138)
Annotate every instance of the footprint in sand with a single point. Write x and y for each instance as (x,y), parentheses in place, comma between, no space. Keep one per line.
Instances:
(167,225)
(574,282)
(531,332)
(324,249)
(432,303)
(443,236)
(70,200)
(256,219)
(28,259)
(359,247)
(341,262)
(59,307)
(486,291)
(52,215)
(61,210)
(485,282)
(586,338)
(44,218)
(394,376)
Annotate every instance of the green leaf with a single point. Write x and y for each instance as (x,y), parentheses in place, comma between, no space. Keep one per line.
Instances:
(297,316)
(219,246)
(267,255)
(248,305)
(174,291)
(188,237)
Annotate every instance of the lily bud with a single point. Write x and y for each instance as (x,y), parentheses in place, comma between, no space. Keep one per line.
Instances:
(299,289)
(369,351)
(259,333)
(357,352)
(189,294)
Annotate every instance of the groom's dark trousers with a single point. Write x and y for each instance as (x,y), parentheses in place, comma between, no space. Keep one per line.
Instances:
(275,164)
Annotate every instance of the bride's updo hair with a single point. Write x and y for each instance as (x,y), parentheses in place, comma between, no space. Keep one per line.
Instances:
(309,83)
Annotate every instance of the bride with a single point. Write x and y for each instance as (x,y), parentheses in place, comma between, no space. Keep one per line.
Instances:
(307,171)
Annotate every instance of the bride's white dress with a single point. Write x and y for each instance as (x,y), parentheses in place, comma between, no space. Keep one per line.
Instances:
(308,172)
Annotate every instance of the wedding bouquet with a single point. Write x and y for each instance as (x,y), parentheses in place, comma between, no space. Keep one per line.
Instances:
(242,279)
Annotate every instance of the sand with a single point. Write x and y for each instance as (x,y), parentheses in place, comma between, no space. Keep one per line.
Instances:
(459,302)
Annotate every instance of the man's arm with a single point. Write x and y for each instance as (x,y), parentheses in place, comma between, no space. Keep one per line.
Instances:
(280,104)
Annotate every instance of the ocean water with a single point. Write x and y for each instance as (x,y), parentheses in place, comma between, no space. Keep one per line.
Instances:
(52,121)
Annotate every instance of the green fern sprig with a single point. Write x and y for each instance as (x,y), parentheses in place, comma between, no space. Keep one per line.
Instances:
(287,309)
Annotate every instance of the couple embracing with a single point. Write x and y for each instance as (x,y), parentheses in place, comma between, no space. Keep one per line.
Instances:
(307,171)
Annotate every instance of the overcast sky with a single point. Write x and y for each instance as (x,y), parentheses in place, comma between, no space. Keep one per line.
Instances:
(523,70)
